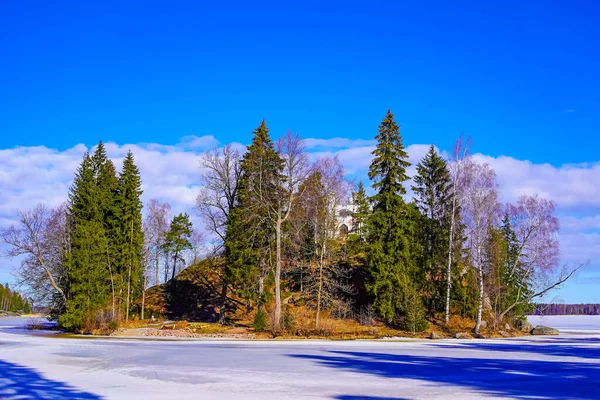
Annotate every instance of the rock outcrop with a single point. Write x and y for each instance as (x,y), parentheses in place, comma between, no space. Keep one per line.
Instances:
(544,330)
(525,326)
(435,335)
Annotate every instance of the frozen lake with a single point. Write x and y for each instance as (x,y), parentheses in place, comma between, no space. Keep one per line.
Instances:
(568,323)
(9,322)
(32,367)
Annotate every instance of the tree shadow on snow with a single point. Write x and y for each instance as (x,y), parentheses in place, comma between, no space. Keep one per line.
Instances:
(497,377)
(23,383)
(549,347)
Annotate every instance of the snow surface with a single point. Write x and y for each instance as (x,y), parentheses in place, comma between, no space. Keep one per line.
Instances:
(568,323)
(46,367)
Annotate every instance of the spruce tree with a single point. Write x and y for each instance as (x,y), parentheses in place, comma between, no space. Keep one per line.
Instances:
(86,264)
(250,229)
(108,191)
(390,225)
(432,191)
(130,234)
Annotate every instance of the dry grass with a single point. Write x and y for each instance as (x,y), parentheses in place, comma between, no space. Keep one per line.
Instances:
(300,323)
(460,324)
(210,328)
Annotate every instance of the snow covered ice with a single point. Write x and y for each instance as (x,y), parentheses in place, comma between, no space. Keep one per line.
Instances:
(34,366)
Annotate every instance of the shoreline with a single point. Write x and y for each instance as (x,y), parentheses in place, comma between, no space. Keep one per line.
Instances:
(157,368)
(154,334)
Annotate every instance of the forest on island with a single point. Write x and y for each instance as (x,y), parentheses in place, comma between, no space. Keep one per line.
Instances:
(285,234)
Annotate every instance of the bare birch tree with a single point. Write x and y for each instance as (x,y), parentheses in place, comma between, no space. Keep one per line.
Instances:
(41,240)
(296,169)
(156,226)
(334,191)
(147,262)
(315,225)
(459,154)
(536,264)
(197,240)
(480,210)
(220,179)
(218,194)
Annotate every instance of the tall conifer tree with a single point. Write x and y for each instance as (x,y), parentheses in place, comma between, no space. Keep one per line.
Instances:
(390,225)
(86,265)
(250,229)
(108,188)
(131,236)
(433,197)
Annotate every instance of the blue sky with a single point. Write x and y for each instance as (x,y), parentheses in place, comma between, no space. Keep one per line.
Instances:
(521,79)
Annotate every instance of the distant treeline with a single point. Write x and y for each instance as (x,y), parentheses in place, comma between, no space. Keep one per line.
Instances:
(12,301)
(567,309)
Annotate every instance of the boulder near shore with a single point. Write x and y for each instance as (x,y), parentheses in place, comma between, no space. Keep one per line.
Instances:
(544,330)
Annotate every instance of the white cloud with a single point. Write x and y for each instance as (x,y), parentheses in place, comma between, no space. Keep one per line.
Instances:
(572,186)
(29,175)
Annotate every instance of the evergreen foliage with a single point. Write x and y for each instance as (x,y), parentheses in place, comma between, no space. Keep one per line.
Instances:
(414,319)
(104,262)
(12,301)
(390,229)
(130,237)
(361,212)
(514,284)
(432,189)
(250,231)
(261,320)
(393,262)
(177,239)
(86,266)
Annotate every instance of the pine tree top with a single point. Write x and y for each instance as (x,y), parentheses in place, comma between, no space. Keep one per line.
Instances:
(359,198)
(361,188)
(100,157)
(81,196)
(130,188)
(261,162)
(390,160)
(432,184)
(261,136)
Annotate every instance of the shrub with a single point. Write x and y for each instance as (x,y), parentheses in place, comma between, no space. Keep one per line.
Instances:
(414,319)
(289,321)
(34,324)
(366,315)
(70,321)
(260,321)
(113,325)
